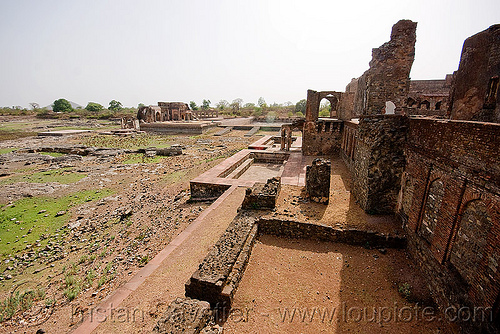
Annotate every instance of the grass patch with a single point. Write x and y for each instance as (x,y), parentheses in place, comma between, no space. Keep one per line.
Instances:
(136,158)
(175,177)
(12,135)
(63,176)
(71,287)
(134,143)
(52,154)
(25,221)
(18,301)
(6,150)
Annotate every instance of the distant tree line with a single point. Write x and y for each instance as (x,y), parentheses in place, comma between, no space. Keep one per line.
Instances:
(238,108)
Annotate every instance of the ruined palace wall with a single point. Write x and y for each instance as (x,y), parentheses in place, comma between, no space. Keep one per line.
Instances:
(450,208)
(387,79)
(322,137)
(373,152)
(475,89)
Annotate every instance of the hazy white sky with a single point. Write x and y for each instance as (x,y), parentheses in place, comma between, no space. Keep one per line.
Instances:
(148,51)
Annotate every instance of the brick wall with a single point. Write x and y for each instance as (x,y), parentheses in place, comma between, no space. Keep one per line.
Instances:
(450,208)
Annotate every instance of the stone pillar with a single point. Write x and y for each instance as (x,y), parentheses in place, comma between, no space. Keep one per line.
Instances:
(283,134)
(318,180)
(312,106)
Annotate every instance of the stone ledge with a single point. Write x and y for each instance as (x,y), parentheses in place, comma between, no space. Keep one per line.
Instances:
(295,229)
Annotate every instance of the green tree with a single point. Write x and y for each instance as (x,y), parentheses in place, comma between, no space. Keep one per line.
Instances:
(222,104)
(249,105)
(301,106)
(94,107)
(205,105)
(324,109)
(115,105)
(193,105)
(140,105)
(62,105)
(262,102)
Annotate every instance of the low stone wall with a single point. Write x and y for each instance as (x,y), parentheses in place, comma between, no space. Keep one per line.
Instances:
(262,196)
(218,275)
(302,230)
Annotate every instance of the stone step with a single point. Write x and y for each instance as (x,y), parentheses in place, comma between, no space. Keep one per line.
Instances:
(224,131)
(241,169)
(252,131)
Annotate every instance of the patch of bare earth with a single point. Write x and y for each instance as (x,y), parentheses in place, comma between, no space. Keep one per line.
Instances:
(304,286)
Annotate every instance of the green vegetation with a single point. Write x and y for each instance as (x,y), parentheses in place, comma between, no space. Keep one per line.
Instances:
(115,105)
(193,105)
(30,219)
(62,105)
(63,176)
(53,154)
(174,177)
(205,105)
(6,150)
(133,143)
(18,301)
(72,285)
(405,290)
(107,275)
(136,158)
(301,106)
(143,260)
(324,113)
(94,107)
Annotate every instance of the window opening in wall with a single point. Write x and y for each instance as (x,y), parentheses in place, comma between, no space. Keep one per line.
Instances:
(424,105)
(324,108)
(438,105)
(410,102)
(390,107)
